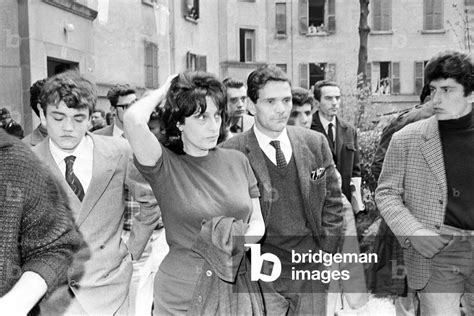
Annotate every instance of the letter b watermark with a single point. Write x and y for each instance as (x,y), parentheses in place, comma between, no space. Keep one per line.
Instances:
(257,264)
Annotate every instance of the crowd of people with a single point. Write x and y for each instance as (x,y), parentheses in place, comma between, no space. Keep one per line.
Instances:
(155,212)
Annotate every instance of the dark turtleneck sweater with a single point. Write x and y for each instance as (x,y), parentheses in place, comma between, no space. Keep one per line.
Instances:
(457,139)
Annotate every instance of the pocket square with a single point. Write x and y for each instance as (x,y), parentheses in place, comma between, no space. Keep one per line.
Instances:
(318,173)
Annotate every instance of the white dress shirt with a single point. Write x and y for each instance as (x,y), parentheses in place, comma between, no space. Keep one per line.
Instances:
(117,132)
(326,125)
(82,166)
(269,150)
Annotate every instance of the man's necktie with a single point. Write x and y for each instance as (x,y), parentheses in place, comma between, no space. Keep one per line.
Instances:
(280,158)
(71,178)
(331,136)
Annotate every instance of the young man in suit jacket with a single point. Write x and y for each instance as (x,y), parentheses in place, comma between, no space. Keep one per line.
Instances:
(93,170)
(425,190)
(342,137)
(300,197)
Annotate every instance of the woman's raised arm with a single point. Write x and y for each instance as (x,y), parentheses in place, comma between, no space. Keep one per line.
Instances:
(144,144)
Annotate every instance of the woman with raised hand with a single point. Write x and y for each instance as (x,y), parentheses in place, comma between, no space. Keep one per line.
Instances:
(206,194)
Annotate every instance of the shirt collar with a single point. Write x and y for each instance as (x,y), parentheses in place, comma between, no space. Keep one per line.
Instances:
(117,132)
(81,149)
(264,140)
(325,122)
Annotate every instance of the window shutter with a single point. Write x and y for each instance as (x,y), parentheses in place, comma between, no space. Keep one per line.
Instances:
(303,16)
(419,65)
(190,61)
(376,75)
(201,63)
(377,12)
(331,72)
(155,65)
(248,49)
(395,78)
(304,76)
(280,18)
(331,16)
(428,18)
(438,15)
(184,5)
(148,65)
(386,15)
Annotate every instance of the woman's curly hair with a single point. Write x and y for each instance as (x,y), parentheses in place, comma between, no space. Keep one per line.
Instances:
(187,96)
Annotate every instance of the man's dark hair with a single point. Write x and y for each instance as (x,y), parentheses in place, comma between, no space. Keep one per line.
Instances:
(451,64)
(35,91)
(70,87)
(119,90)
(301,97)
(259,78)
(425,92)
(187,96)
(102,112)
(233,83)
(321,84)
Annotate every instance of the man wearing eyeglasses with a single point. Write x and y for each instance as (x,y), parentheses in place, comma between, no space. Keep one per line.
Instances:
(120,96)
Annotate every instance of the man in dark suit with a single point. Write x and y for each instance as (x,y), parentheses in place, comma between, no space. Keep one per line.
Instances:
(342,138)
(300,197)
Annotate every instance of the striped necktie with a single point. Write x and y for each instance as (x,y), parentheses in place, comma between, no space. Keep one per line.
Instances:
(72,179)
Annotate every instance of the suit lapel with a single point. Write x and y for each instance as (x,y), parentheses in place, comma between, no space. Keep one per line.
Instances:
(433,153)
(340,131)
(318,126)
(257,162)
(300,155)
(104,165)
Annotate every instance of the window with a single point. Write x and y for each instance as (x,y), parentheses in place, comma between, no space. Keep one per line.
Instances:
(314,72)
(282,66)
(247,45)
(56,66)
(280,18)
(382,15)
(317,16)
(433,15)
(196,62)
(387,77)
(151,65)
(191,9)
(419,76)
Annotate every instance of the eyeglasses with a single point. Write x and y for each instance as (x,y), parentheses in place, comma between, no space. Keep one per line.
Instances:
(125,105)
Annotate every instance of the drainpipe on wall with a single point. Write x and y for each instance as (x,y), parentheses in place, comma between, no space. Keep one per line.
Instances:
(172,34)
(25,62)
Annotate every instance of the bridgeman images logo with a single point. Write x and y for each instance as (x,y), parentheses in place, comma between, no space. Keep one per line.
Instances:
(257,263)
(323,266)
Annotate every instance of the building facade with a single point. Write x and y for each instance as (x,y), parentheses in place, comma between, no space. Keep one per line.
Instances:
(142,42)
(318,39)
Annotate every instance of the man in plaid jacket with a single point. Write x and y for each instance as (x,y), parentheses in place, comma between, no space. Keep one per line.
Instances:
(425,190)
